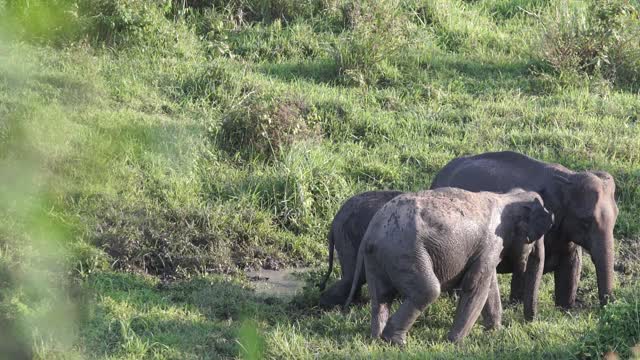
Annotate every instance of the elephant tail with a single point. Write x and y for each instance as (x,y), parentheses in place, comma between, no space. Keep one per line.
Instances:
(332,245)
(356,276)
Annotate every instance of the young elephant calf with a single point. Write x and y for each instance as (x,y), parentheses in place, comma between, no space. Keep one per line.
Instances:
(420,244)
(347,229)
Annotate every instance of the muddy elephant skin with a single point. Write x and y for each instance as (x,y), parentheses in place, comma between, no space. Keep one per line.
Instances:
(421,244)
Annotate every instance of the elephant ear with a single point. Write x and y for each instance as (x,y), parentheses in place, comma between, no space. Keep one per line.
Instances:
(538,219)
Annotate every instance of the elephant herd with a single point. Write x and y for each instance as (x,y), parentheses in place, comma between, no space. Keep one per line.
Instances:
(498,212)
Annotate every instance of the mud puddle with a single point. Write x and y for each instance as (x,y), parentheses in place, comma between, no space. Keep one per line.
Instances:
(280,283)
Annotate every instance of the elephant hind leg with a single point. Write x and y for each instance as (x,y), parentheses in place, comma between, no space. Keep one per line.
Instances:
(419,289)
(382,295)
(379,317)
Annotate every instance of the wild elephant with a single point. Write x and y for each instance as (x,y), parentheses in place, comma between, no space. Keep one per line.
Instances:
(419,244)
(347,229)
(583,204)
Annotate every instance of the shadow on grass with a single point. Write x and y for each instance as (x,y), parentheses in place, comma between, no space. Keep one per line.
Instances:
(203,317)
(194,318)
(317,72)
(483,77)
(70,91)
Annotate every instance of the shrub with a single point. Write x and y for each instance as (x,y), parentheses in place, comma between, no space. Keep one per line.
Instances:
(377,33)
(601,42)
(264,127)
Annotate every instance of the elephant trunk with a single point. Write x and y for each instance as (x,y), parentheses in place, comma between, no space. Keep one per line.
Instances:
(602,256)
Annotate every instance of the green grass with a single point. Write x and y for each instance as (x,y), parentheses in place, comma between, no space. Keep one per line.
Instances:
(136,183)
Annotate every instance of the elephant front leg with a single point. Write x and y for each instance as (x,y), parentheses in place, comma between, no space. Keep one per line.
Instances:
(475,290)
(533,278)
(492,311)
(567,277)
(517,286)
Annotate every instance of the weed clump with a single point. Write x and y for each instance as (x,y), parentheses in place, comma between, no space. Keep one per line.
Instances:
(265,127)
(213,83)
(377,32)
(601,42)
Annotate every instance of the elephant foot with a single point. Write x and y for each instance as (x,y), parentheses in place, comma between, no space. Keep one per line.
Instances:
(454,338)
(328,303)
(607,299)
(492,326)
(395,338)
(565,305)
(336,295)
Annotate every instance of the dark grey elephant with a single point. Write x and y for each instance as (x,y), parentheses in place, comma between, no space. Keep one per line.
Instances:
(347,229)
(419,244)
(583,204)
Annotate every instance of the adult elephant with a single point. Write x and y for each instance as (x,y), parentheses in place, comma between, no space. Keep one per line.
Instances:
(583,204)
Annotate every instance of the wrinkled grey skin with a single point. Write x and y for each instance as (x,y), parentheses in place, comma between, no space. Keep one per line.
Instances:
(419,244)
(583,204)
(347,229)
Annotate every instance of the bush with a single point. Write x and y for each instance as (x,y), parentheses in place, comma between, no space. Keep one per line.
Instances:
(601,42)
(264,127)
(377,33)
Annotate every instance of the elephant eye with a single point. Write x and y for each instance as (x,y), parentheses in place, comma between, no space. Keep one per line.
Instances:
(586,222)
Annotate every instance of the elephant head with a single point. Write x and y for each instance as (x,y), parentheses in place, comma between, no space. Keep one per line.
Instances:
(525,221)
(589,218)
(532,221)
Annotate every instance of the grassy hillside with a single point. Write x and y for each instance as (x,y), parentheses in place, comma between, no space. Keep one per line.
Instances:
(150,151)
